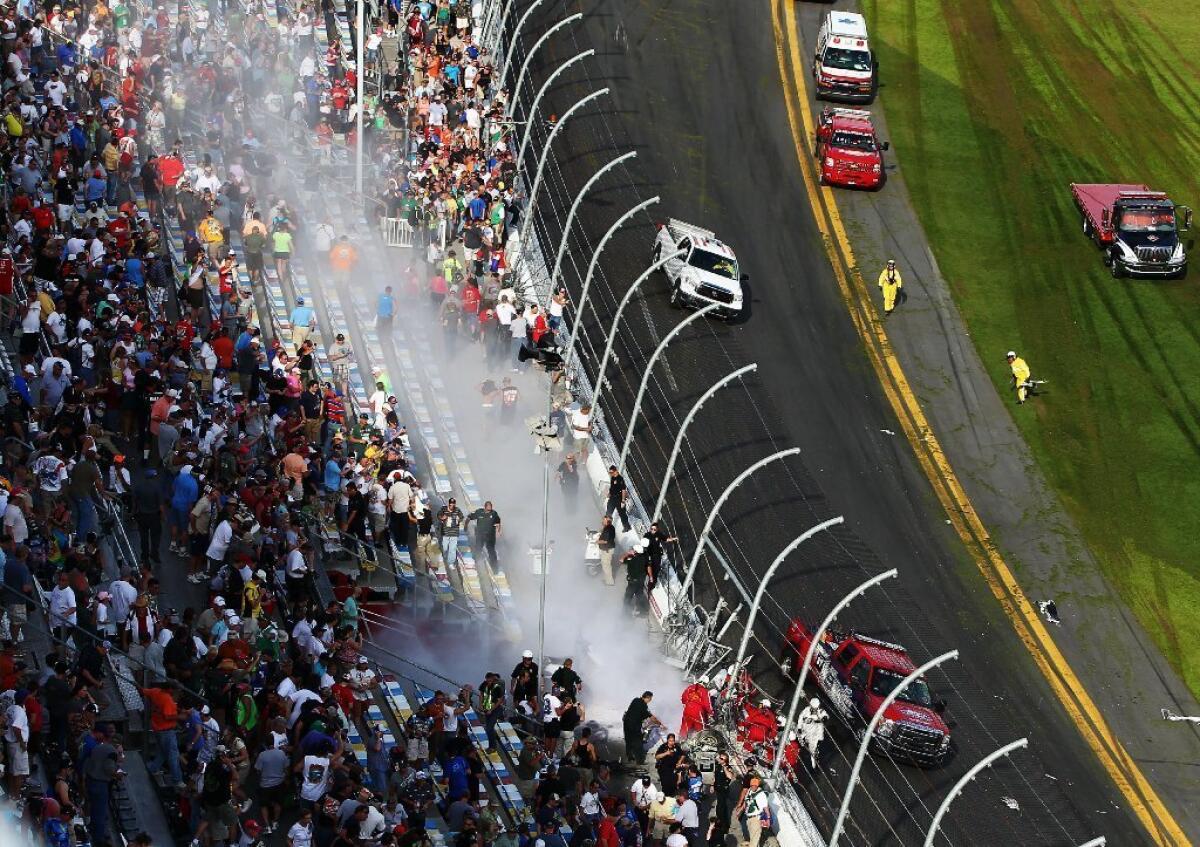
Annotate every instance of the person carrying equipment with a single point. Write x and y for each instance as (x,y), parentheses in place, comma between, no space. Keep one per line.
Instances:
(812,728)
(890,284)
(1020,375)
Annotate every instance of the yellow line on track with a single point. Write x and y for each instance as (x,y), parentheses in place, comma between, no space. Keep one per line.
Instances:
(1125,773)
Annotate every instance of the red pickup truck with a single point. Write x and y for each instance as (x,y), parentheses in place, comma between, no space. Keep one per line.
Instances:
(848,151)
(855,673)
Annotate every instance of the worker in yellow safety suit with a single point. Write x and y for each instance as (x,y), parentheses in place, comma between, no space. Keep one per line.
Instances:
(890,284)
(1020,375)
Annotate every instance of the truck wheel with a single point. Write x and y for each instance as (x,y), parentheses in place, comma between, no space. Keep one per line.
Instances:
(657,254)
(1087,227)
(676,297)
(1117,271)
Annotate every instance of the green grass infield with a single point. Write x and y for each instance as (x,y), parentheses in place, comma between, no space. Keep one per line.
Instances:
(994,109)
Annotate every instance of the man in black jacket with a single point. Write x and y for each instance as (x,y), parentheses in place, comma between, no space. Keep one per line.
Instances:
(618,494)
(637,567)
(487,529)
(632,722)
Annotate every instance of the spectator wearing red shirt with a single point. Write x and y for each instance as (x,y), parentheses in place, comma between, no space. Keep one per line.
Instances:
(470,299)
(538,326)
(43,218)
(20,204)
(170,171)
(223,346)
(339,96)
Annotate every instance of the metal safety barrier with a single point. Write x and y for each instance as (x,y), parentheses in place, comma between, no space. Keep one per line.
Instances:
(397,232)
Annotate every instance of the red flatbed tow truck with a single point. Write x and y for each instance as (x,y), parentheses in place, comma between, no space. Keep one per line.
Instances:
(1137,228)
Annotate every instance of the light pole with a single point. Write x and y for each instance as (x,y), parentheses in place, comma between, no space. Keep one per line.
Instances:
(562,242)
(359,73)
(612,332)
(712,515)
(762,586)
(527,229)
(704,398)
(969,776)
(587,280)
(641,392)
(537,45)
(545,568)
(816,639)
(870,733)
(537,99)
(513,42)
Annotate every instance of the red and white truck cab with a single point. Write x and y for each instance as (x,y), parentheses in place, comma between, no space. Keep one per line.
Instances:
(849,152)
(844,68)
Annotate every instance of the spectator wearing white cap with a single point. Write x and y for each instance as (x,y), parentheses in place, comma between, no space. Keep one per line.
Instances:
(106,627)
(209,617)
(253,594)
(527,664)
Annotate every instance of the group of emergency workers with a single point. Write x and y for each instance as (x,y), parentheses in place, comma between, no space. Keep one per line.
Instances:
(758,725)
(891,284)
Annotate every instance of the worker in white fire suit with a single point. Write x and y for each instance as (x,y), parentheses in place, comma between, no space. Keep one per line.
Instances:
(812,727)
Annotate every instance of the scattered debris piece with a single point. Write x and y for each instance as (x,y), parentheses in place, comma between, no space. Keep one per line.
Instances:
(1168,715)
(1012,804)
(1049,611)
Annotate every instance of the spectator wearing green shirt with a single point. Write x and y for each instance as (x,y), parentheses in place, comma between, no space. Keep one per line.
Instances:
(281,248)
(350,606)
(451,267)
(120,14)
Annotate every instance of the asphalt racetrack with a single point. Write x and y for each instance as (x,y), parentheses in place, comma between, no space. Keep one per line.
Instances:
(696,92)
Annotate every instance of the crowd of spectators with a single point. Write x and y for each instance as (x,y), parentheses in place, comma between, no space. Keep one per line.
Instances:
(144,393)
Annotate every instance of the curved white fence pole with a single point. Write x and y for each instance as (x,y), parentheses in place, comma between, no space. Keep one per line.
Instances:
(537,45)
(612,331)
(762,586)
(537,99)
(683,428)
(577,324)
(513,41)
(641,392)
(969,776)
(712,515)
(562,242)
(529,216)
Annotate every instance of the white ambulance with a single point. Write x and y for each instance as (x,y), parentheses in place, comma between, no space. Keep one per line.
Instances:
(844,67)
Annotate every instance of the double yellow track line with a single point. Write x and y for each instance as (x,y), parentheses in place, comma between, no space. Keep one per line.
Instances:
(1125,773)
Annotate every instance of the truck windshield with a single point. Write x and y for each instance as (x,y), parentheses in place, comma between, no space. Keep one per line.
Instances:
(884,681)
(841,59)
(853,141)
(1148,220)
(711,262)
